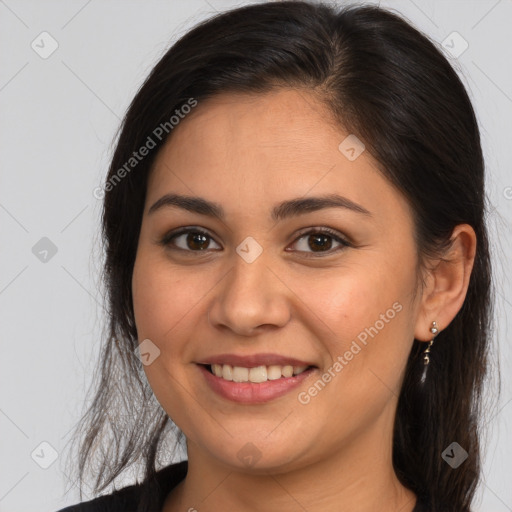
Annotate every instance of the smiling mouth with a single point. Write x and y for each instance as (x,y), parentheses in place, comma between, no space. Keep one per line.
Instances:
(255,374)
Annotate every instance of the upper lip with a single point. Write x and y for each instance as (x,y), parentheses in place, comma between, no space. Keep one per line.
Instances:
(254,360)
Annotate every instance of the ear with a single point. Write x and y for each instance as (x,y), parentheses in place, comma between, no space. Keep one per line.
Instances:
(446,283)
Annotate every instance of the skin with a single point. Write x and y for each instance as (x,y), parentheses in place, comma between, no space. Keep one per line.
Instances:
(249,153)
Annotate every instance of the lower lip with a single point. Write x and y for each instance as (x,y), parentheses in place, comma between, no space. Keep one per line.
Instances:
(254,392)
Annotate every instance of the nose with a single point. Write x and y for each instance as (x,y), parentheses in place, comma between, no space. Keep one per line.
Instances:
(251,299)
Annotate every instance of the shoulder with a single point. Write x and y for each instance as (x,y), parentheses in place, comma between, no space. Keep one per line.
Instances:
(120,500)
(127,498)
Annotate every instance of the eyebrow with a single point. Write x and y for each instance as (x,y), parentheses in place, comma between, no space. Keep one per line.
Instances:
(286,209)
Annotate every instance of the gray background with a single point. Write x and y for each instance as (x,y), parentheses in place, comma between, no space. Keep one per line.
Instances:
(58,117)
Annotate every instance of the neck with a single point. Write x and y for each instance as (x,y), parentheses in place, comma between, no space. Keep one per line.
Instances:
(357,478)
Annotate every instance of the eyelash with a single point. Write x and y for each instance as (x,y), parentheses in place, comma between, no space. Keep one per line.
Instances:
(167,239)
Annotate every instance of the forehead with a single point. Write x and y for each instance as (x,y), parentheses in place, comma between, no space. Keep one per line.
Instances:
(284,121)
(248,148)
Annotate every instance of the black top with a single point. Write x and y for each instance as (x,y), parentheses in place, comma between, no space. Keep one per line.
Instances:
(127,498)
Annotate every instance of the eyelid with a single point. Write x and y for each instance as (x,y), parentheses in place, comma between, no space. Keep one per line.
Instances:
(168,237)
(336,235)
(326,230)
(333,233)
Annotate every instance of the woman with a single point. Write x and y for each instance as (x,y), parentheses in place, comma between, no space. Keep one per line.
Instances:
(298,272)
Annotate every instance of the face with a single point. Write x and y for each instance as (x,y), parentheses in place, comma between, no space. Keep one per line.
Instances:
(328,285)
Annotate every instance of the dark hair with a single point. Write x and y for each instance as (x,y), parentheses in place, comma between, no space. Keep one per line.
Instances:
(384,81)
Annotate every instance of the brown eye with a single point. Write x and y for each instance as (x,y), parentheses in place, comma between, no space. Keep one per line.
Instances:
(320,241)
(191,240)
(196,241)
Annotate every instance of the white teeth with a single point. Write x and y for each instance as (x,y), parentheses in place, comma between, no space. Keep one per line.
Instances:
(256,374)
(273,372)
(227,372)
(217,370)
(287,371)
(240,374)
(299,369)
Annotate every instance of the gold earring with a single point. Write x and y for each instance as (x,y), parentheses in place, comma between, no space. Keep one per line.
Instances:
(434,330)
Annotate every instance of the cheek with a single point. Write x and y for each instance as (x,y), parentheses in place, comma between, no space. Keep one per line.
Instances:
(362,315)
(346,301)
(161,296)
(162,302)
(368,341)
